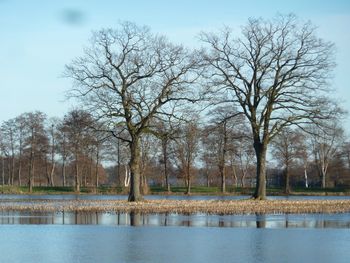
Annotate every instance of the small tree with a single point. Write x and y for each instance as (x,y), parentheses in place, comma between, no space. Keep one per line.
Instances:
(8,142)
(35,140)
(326,143)
(76,127)
(186,150)
(20,127)
(218,138)
(242,153)
(286,149)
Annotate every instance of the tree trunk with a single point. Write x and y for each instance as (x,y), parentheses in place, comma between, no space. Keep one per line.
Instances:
(52,173)
(234,176)
(47,172)
(260,187)
(135,175)
(31,174)
(305,176)
(53,164)
(223,178)
(119,180)
(144,184)
(243,178)
(20,170)
(165,160)
(96,169)
(12,168)
(286,186)
(8,171)
(324,168)
(3,171)
(324,178)
(77,181)
(223,160)
(20,162)
(188,190)
(188,179)
(31,166)
(64,171)
(208,177)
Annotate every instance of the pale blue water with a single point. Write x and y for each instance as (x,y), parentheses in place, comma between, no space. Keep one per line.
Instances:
(91,244)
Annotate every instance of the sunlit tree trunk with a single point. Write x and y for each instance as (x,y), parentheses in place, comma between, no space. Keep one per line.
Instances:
(64,172)
(135,175)
(260,189)
(77,181)
(306,179)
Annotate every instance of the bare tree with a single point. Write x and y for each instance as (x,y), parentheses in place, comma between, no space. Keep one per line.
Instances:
(304,154)
(286,149)
(148,157)
(3,151)
(243,153)
(276,73)
(167,132)
(186,150)
(52,134)
(326,143)
(35,140)
(129,76)
(219,137)
(8,136)
(20,127)
(63,149)
(346,153)
(76,127)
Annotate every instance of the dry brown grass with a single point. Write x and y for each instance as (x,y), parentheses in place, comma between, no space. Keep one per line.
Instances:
(182,206)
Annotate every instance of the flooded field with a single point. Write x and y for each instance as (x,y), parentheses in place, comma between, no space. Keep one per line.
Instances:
(91,237)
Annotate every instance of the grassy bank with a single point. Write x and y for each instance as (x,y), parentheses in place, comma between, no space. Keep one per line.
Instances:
(177,190)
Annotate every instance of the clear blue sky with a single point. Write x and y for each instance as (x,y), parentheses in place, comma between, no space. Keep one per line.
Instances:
(39,37)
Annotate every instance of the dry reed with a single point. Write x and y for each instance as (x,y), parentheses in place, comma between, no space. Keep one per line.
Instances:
(182,206)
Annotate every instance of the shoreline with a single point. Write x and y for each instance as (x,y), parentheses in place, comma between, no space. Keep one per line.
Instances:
(101,193)
(220,207)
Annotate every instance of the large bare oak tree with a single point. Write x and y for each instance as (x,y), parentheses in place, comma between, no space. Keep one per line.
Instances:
(276,72)
(129,76)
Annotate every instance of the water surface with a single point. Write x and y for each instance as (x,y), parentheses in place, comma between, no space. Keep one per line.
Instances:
(90,237)
(91,244)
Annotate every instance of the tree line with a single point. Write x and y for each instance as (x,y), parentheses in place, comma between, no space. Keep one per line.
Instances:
(271,80)
(76,151)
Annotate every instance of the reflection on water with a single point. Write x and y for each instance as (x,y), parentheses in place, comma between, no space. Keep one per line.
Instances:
(171,219)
